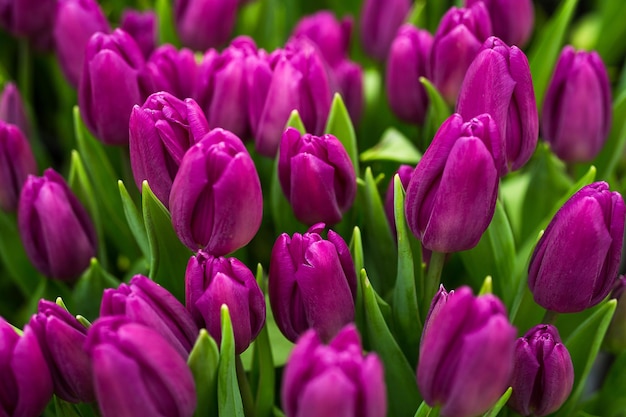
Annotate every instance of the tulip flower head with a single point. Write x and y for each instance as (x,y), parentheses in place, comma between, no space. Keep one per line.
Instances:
(204,24)
(12,108)
(380,20)
(16,164)
(512,20)
(170,70)
(142,26)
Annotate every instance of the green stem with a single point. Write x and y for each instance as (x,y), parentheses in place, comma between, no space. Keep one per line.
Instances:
(550,317)
(432,279)
(244,387)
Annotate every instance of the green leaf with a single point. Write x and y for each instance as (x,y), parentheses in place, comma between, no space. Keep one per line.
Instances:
(228,394)
(166,28)
(487,287)
(296,122)
(340,125)
(610,31)
(283,218)
(424,410)
(495,410)
(87,293)
(356,250)
(438,112)
(134,220)
(417,15)
(203,362)
(395,147)
(613,149)
(612,398)
(65,409)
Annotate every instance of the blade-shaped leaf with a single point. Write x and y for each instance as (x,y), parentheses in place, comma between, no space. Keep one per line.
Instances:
(495,410)
(228,394)
(203,362)
(87,293)
(166,28)
(438,112)
(134,219)
(340,125)
(393,146)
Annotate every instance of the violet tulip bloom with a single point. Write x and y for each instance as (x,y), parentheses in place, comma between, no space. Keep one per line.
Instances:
(332,36)
(216,201)
(498,82)
(543,374)
(213,281)
(452,194)
(615,338)
(161,131)
(57,233)
(16,164)
(312,283)
(169,70)
(61,338)
(334,379)
(575,263)
(32,19)
(137,372)
(576,115)
(12,108)
(204,24)
(142,26)
(380,20)
(437,303)
(466,355)
(512,20)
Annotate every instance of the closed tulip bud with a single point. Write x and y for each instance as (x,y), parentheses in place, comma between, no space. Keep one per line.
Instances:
(216,200)
(203,24)
(213,281)
(380,20)
(57,233)
(458,39)
(512,20)
(575,263)
(498,82)
(348,77)
(452,194)
(466,355)
(142,26)
(76,21)
(576,115)
(146,302)
(61,338)
(334,379)
(32,19)
(26,381)
(169,70)
(12,108)
(312,283)
(136,372)
(438,302)
(615,339)
(317,176)
(331,36)
(543,374)
(408,60)
(109,85)
(16,164)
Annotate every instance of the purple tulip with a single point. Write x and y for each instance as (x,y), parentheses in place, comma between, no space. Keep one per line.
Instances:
(466,356)
(32,19)
(211,282)
(142,26)
(498,82)
(204,24)
(438,302)
(312,283)
(161,131)
(76,21)
(576,115)
(452,194)
(380,20)
(409,59)
(109,85)
(16,164)
(615,339)
(331,36)
(575,263)
(334,379)
(543,374)
(61,338)
(137,372)
(216,201)
(512,20)
(458,39)
(56,230)
(348,81)
(170,70)
(12,108)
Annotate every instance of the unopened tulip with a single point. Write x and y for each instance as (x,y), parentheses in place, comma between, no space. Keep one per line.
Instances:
(576,114)
(204,24)
(331,35)
(169,70)
(142,26)
(576,261)
(12,108)
(512,20)
(16,164)
(380,20)
(32,19)
(439,300)
(466,355)
(213,281)
(348,77)
(615,339)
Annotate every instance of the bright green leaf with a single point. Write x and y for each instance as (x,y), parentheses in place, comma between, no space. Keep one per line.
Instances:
(87,294)
(228,394)
(495,410)
(134,219)
(438,112)
(296,122)
(393,146)
(166,28)
(340,125)
(612,398)
(203,362)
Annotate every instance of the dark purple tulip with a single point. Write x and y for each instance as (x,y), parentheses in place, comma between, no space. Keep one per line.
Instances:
(109,85)
(466,356)
(404,171)
(142,26)
(32,19)
(204,24)
(409,59)
(452,194)
(170,70)
(615,339)
(56,230)
(317,176)
(348,80)
(137,372)
(438,302)
(334,379)
(331,36)
(380,20)
(512,20)
(16,164)
(216,199)
(76,21)
(576,115)
(211,282)
(575,263)
(312,283)
(543,374)
(498,82)
(12,108)
(61,338)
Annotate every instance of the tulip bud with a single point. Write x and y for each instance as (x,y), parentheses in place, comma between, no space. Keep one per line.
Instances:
(16,164)
(216,201)
(109,85)
(543,374)
(26,381)
(575,263)
(576,115)
(408,60)
(380,20)
(211,282)
(160,132)
(334,379)
(512,20)
(32,19)
(76,21)
(56,230)
(312,283)
(61,338)
(466,355)
(452,194)
(458,39)
(142,26)
(12,108)
(498,82)
(204,24)
(331,36)
(145,302)
(615,338)
(349,84)
(438,302)
(171,71)
(137,372)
